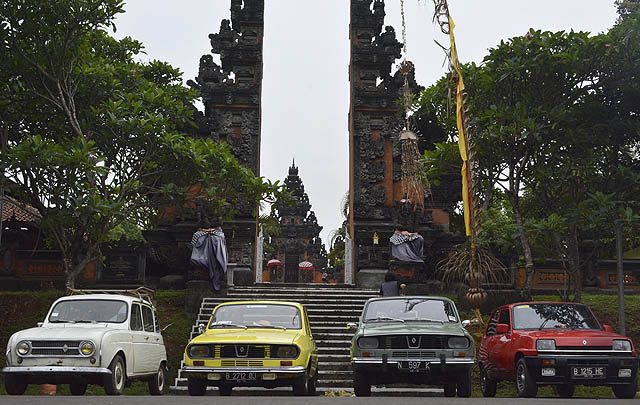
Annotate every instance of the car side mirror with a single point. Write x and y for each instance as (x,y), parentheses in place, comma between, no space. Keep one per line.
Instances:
(466,323)
(502,328)
(352,325)
(39,324)
(201,328)
(607,328)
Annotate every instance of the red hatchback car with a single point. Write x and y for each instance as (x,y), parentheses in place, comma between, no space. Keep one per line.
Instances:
(554,343)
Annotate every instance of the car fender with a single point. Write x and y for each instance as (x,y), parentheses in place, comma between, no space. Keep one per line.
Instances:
(114,342)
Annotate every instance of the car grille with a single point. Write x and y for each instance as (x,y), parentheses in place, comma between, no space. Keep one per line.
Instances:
(585,362)
(420,342)
(582,348)
(243,351)
(413,354)
(241,363)
(55,348)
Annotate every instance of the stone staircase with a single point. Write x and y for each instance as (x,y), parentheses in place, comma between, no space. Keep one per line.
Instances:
(330,307)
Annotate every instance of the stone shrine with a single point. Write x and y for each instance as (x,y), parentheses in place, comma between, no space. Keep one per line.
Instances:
(299,242)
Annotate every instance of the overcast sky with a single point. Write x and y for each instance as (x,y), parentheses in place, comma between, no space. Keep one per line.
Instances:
(305,93)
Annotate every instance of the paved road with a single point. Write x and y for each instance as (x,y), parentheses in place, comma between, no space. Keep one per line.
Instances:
(241,400)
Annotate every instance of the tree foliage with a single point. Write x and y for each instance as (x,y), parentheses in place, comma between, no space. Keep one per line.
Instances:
(555,120)
(94,139)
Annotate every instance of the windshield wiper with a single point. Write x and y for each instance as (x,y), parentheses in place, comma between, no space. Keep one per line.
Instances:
(259,325)
(425,320)
(61,321)
(84,321)
(231,325)
(385,318)
(543,323)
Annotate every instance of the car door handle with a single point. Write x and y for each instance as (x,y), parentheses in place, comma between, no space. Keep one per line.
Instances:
(146,337)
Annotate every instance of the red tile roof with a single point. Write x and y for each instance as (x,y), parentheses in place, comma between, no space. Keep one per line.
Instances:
(14,209)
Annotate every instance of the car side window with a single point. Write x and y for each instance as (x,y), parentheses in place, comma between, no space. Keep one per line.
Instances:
(491,328)
(504,317)
(147,318)
(136,317)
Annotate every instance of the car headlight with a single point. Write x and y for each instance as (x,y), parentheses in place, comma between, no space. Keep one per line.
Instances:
(23,348)
(458,342)
(368,343)
(87,348)
(545,344)
(198,351)
(287,352)
(621,345)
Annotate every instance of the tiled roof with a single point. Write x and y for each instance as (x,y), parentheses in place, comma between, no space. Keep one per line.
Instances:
(12,209)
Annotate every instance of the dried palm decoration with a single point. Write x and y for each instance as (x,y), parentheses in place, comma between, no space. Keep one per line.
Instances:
(468,263)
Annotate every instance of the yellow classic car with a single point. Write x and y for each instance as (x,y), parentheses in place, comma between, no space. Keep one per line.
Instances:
(253,343)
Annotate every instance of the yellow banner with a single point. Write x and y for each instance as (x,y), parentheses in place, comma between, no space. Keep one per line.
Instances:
(462,141)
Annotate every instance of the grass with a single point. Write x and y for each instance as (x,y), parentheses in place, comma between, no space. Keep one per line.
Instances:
(25,309)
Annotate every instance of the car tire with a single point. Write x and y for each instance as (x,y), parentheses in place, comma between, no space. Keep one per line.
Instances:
(158,382)
(488,386)
(225,390)
(464,384)
(450,390)
(312,384)
(361,384)
(626,391)
(78,388)
(115,382)
(14,384)
(525,386)
(196,387)
(300,385)
(565,390)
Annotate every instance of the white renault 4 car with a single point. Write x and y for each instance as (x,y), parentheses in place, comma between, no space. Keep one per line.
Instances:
(106,338)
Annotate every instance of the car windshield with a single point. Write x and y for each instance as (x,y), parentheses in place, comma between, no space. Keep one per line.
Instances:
(410,309)
(553,316)
(89,311)
(276,316)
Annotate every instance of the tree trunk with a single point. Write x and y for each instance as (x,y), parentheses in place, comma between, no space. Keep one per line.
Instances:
(526,246)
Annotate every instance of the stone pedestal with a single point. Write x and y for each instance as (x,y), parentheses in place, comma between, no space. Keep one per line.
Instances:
(370,278)
(196,290)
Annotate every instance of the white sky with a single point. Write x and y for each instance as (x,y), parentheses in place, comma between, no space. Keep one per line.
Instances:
(305,93)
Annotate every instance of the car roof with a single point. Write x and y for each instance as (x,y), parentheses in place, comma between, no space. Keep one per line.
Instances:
(102,297)
(410,297)
(296,304)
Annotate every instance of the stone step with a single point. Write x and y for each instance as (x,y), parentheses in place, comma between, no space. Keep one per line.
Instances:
(314,305)
(302,299)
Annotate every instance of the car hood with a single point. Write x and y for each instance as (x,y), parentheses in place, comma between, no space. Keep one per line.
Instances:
(68,332)
(250,335)
(397,328)
(575,337)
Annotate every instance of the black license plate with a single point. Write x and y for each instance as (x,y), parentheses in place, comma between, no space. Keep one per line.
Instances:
(241,376)
(588,372)
(413,366)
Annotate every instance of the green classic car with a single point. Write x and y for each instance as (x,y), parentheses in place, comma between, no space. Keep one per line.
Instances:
(415,340)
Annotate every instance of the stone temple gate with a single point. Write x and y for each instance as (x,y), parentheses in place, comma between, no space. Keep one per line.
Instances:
(231,93)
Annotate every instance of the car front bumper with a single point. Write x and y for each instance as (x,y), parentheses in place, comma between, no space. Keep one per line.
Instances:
(436,371)
(255,376)
(57,374)
(563,367)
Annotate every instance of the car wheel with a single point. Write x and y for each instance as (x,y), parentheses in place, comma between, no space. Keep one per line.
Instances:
(361,385)
(225,390)
(450,390)
(196,386)
(525,385)
(14,384)
(565,390)
(464,384)
(311,384)
(158,382)
(625,391)
(300,385)
(114,383)
(487,385)
(78,388)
